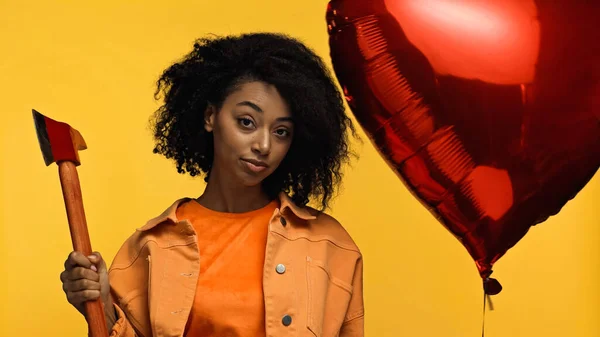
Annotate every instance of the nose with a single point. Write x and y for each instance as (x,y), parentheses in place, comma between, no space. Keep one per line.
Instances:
(262,143)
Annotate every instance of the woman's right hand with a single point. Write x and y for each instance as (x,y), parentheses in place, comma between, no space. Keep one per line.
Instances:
(85,278)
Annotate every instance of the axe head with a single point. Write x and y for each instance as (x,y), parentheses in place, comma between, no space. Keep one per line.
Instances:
(58,141)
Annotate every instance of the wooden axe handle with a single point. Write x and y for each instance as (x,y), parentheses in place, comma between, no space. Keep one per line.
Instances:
(69,181)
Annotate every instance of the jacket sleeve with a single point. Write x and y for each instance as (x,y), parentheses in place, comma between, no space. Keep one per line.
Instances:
(354,324)
(127,274)
(122,281)
(122,327)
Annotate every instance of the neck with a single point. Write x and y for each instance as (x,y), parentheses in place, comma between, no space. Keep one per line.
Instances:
(223,195)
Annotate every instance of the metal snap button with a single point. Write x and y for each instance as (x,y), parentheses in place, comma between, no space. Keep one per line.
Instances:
(286,320)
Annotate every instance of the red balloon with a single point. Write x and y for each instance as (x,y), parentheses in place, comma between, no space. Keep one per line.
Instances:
(488,111)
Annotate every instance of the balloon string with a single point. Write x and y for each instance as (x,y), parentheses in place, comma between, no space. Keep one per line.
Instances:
(487,300)
(483,319)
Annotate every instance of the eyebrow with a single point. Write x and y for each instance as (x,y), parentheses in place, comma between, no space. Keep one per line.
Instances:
(258,109)
(251,105)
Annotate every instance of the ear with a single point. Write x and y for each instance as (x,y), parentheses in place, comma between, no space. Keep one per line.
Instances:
(209,117)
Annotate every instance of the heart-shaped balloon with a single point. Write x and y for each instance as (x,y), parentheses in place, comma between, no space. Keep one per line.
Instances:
(489,111)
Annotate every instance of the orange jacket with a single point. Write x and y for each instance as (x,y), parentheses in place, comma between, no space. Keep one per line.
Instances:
(154,275)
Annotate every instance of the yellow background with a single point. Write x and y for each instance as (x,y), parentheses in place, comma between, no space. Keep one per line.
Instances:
(93,65)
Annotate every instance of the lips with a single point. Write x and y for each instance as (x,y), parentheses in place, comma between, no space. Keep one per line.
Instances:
(255,165)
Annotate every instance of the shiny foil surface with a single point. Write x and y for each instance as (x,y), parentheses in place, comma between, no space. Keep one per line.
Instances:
(488,111)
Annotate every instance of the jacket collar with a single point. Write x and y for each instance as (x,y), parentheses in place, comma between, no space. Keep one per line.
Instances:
(170,213)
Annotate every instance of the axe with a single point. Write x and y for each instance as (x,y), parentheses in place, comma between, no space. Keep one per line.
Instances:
(59,144)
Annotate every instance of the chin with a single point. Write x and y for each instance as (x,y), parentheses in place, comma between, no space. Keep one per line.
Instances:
(251,181)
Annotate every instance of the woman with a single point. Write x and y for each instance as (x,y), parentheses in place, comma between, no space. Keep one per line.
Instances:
(260,116)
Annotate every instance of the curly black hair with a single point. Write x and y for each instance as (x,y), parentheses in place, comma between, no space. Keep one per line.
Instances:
(217,66)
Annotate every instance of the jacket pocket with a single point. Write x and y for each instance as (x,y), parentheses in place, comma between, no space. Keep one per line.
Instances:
(328,299)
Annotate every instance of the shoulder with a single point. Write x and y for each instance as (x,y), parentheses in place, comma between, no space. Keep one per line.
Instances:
(161,231)
(131,250)
(324,225)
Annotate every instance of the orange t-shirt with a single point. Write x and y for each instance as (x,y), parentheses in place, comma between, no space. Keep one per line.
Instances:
(229,295)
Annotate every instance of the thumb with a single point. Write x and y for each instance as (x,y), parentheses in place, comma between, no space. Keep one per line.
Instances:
(97,260)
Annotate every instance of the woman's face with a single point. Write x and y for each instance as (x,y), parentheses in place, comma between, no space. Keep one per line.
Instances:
(252,133)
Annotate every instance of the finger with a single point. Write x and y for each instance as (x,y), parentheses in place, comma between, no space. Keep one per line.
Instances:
(79,297)
(77,259)
(98,261)
(82,284)
(82,273)
(95,257)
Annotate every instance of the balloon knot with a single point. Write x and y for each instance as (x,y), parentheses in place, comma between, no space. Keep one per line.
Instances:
(492,286)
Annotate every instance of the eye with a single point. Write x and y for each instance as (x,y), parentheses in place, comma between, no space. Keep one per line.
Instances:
(246,122)
(282,132)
